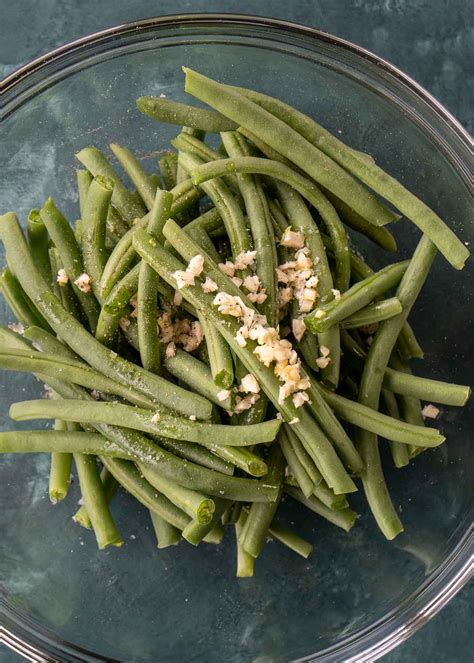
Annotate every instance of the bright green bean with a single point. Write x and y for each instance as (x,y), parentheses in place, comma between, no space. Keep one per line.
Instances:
(371,174)
(93,229)
(95,502)
(84,179)
(296,468)
(245,561)
(80,341)
(198,506)
(123,200)
(373,313)
(63,237)
(60,470)
(38,241)
(344,518)
(398,450)
(196,532)
(220,357)
(425,389)
(289,143)
(288,538)
(18,301)
(166,110)
(356,298)
(136,173)
(166,534)
(110,484)
(168,163)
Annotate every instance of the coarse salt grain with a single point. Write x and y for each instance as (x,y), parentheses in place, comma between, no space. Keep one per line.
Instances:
(223,394)
(294,421)
(336,293)
(192,417)
(156,418)
(170,350)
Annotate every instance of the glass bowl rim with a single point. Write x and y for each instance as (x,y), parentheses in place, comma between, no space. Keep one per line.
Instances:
(376,640)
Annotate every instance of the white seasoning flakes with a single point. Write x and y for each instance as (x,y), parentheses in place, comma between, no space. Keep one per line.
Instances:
(430,412)
(336,293)
(177,298)
(156,418)
(299,328)
(227,268)
(322,362)
(245,259)
(223,395)
(18,328)
(83,282)
(242,404)
(192,417)
(324,350)
(300,398)
(292,239)
(48,392)
(320,313)
(236,281)
(61,277)
(249,384)
(209,285)
(279,416)
(252,283)
(194,269)
(294,421)
(170,350)
(228,304)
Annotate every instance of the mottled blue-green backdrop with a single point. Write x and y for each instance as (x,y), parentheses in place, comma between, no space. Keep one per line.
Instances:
(431,40)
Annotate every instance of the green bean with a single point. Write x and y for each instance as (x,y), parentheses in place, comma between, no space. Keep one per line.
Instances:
(220,357)
(93,229)
(60,470)
(17,300)
(168,163)
(147,290)
(289,539)
(80,341)
(302,455)
(200,236)
(377,423)
(210,222)
(262,234)
(260,516)
(200,455)
(198,506)
(344,518)
(131,165)
(95,502)
(425,389)
(407,344)
(196,375)
(209,435)
(310,434)
(124,255)
(174,112)
(63,237)
(409,406)
(372,175)
(297,469)
(70,370)
(59,441)
(123,200)
(225,203)
(187,248)
(84,179)
(398,450)
(325,495)
(289,143)
(166,534)
(63,291)
(356,298)
(130,478)
(192,145)
(11,340)
(371,384)
(245,561)
(38,241)
(110,484)
(373,313)
(196,532)
(114,307)
(297,212)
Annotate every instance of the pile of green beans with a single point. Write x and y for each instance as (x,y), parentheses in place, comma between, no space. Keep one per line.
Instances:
(193,424)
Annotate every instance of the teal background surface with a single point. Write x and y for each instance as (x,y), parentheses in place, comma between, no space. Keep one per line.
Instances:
(431,40)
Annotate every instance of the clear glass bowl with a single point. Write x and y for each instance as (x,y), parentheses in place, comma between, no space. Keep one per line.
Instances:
(358,595)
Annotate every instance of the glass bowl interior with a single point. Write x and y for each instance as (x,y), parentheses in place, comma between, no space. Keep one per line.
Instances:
(357,590)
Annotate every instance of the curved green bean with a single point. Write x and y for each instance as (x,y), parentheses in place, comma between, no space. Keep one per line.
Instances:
(174,112)
(344,518)
(373,313)
(136,173)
